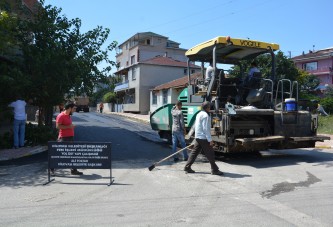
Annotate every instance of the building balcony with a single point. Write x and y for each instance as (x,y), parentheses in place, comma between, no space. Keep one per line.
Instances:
(121,86)
(320,71)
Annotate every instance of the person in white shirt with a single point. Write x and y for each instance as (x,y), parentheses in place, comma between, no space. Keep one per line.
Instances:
(209,73)
(19,122)
(203,140)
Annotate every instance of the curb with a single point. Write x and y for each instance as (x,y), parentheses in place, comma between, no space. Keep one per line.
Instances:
(324,147)
(131,117)
(35,150)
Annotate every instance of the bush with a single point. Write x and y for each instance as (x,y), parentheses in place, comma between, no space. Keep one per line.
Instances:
(6,140)
(98,96)
(327,103)
(308,96)
(39,135)
(34,135)
(325,125)
(110,97)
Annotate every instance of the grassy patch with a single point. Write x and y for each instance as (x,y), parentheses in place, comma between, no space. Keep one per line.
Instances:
(325,125)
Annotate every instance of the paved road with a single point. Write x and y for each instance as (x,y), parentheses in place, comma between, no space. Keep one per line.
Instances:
(278,188)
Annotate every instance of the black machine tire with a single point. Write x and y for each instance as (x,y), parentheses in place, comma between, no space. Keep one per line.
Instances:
(166,135)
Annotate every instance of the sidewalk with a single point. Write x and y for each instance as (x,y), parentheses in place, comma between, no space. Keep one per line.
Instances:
(9,154)
(327,144)
(145,118)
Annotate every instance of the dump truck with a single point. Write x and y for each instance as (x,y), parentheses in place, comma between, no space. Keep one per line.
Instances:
(247,114)
(82,103)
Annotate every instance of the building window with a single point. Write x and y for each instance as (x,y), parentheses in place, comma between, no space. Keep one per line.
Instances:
(130,97)
(132,59)
(165,97)
(148,41)
(154,98)
(134,72)
(192,71)
(185,71)
(310,66)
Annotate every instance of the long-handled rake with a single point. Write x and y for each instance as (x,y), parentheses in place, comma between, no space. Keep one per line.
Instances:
(164,159)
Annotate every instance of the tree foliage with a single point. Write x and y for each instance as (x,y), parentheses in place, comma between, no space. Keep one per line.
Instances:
(285,68)
(10,72)
(307,81)
(110,97)
(329,92)
(57,57)
(327,103)
(98,96)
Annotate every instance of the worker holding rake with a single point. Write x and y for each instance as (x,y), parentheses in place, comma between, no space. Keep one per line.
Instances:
(203,141)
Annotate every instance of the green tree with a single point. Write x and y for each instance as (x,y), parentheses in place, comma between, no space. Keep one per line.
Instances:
(308,82)
(329,92)
(9,72)
(98,96)
(285,68)
(327,103)
(58,57)
(110,97)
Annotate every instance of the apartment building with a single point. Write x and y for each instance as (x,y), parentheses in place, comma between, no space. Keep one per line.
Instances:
(318,63)
(144,61)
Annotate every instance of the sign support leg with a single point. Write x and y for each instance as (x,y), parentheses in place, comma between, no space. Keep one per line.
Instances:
(48,177)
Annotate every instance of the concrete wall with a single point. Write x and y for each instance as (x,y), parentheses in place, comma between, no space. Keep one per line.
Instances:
(144,52)
(172,98)
(154,75)
(148,77)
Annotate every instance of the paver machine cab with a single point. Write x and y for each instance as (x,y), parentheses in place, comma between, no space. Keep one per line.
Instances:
(247,115)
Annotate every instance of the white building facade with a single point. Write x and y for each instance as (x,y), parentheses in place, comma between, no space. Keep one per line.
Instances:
(145,61)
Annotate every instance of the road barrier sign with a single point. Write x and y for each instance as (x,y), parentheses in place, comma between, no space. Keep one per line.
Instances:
(79,155)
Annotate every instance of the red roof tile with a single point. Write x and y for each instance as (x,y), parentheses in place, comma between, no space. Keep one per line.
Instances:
(181,82)
(320,53)
(168,61)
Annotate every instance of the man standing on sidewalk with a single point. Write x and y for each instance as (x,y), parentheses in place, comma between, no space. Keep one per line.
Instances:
(19,121)
(66,128)
(178,130)
(203,140)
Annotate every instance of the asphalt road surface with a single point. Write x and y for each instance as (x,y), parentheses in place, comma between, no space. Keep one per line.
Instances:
(276,188)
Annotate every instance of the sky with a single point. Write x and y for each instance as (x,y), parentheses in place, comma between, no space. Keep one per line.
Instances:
(296,25)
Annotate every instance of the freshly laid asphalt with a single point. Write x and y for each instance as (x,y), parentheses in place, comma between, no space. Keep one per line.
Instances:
(10,154)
